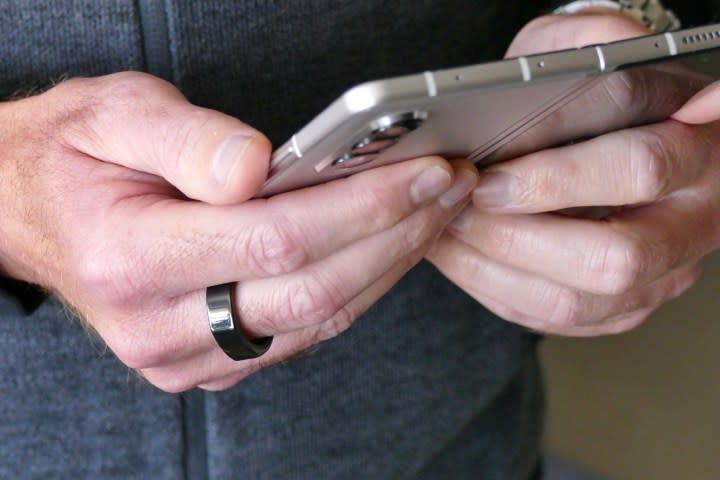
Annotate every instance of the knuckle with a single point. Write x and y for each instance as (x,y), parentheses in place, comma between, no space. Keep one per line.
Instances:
(415,232)
(269,250)
(649,164)
(628,90)
(311,301)
(501,239)
(538,188)
(413,238)
(381,204)
(113,280)
(564,307)
(375,198)
(335,325)
(477,269)
(621,264)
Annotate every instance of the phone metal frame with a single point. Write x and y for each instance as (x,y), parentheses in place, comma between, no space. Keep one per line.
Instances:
(469,111)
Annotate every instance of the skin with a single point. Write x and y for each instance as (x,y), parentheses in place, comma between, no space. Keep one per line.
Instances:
(114,196)
(525,256)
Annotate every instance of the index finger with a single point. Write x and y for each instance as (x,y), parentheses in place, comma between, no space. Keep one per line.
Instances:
(628,167)
(190,245)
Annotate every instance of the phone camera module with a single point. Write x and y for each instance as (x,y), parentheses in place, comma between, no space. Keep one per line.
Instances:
(384,133)
(394,126)
(372,145)
(351,161)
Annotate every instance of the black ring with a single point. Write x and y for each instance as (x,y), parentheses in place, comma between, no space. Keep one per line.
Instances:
(225,328)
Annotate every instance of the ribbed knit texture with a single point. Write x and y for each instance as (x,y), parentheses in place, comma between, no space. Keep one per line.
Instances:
(70,410)
(45,41)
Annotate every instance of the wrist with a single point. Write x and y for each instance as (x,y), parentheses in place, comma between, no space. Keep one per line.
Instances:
(20,232)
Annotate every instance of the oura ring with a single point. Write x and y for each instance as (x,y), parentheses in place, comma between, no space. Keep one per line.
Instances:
(224,326)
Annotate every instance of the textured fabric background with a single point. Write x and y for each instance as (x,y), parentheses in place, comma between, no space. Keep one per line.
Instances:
(44,41)
(69,409)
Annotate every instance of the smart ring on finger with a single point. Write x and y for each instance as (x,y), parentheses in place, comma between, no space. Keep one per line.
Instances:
(224,326)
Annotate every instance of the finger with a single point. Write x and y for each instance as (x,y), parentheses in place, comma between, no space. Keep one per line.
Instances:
(322,290)
(144,123)
(611,256)
(309,296)
(628,167)
(702,108)
(542,304)
(204,245)
(214,366)
(213,370)
(616,325)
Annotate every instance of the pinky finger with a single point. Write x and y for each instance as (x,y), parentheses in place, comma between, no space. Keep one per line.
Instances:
(615,325)
(212,366)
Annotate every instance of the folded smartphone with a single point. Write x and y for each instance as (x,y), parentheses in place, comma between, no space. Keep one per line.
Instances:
(499,110)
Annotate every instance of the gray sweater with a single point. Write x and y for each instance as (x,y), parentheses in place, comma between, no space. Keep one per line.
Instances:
(427,384)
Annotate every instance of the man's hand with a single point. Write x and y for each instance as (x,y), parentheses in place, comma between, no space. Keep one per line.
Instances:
(565,275)
(127,201)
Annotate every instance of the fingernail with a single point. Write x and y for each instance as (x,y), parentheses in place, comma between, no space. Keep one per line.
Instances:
(228,155)
(495,189)
(463,221)
(461,188)
(430,184)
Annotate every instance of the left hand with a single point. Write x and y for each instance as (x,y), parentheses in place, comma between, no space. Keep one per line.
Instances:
(579,276)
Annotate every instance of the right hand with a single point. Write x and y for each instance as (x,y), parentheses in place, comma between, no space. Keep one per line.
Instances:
(638,196)
(114,195)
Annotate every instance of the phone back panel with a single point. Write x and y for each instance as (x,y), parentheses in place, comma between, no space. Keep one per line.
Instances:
(477,112)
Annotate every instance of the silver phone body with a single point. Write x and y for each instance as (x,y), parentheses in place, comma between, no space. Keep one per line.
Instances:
(469,112)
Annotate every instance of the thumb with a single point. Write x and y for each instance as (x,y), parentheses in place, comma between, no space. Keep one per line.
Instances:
(144,123)
(704,107)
